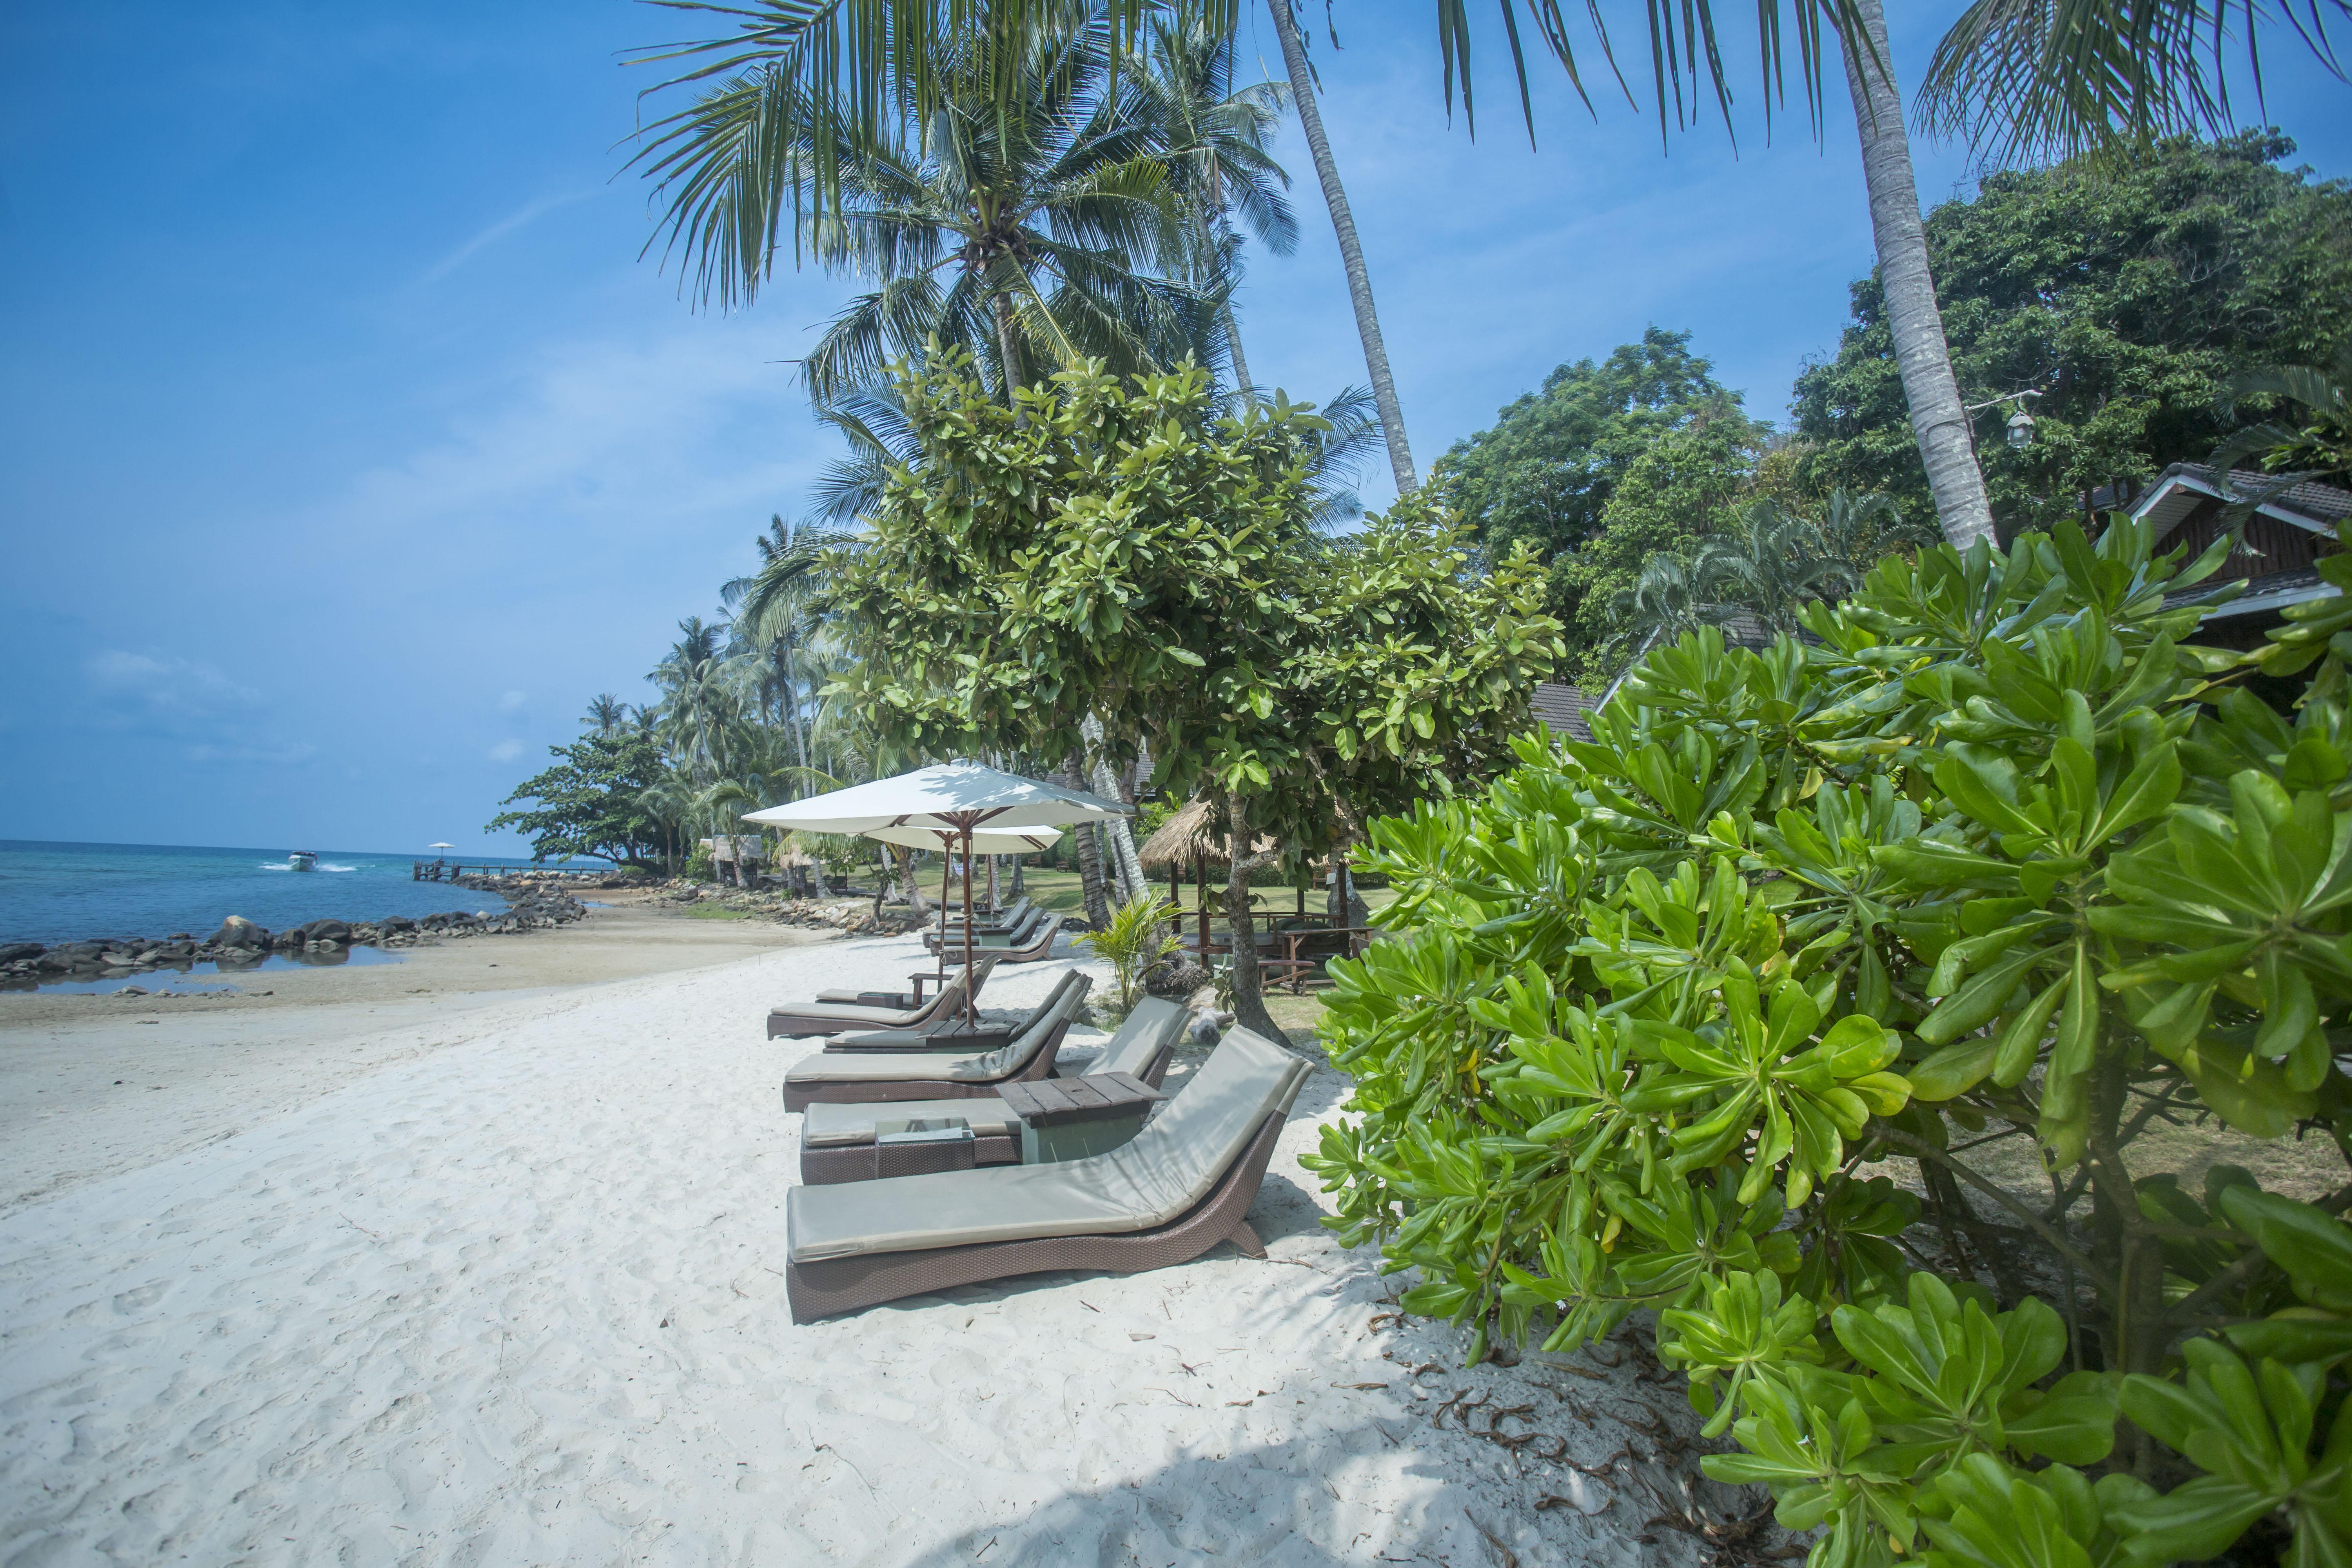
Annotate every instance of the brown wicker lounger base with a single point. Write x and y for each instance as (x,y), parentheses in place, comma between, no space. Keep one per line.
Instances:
(876,1091)
(822,1289)
(863,1163)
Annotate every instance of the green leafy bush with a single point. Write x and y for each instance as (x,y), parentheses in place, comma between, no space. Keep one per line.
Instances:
(1133,943)
(1999,855)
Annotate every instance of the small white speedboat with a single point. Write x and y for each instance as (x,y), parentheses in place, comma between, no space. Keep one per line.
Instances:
(302,860)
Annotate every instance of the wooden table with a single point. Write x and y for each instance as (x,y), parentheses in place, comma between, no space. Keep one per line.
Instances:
(1296,968)
(1070,1118)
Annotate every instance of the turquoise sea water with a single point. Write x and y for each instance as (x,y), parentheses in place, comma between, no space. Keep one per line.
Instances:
(81,892)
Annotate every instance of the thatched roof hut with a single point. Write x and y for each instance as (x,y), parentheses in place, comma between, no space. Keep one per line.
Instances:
(1190,840)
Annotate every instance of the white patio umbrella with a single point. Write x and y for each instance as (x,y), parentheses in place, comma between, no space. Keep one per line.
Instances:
(949,804)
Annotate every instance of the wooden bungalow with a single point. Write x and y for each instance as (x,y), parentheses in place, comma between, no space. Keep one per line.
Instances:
(2278,554)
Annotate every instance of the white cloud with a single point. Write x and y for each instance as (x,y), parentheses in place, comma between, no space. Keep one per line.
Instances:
(166,686)
(505,750)
(598,440)
(512,702)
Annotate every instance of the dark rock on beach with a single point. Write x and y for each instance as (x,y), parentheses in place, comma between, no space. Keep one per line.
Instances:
(1175,980)
(534,903)
(238,931)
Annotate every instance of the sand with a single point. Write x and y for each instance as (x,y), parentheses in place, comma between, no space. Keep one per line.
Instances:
(503,1286)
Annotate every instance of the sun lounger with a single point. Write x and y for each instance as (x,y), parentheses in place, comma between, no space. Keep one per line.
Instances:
(1182,1185)
(834,1017)
(915,1075)
(1011,915)
(839,1141)
(1013,935)
(1032,948)
(948,1034)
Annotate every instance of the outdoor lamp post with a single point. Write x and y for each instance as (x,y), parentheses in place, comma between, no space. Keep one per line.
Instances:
(2020,431)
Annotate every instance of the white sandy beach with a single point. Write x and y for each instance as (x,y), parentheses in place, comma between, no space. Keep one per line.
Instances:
(512,1295)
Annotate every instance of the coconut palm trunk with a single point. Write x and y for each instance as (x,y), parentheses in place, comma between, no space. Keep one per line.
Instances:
(1351,250)
(1241,365)
(1938,420)
(1090,848)
(1008,344)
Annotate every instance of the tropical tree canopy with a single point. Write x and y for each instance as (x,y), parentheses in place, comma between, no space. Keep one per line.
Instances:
(1119,549)
(588,804)
(2132,296)
(1691,482)
(1547,468)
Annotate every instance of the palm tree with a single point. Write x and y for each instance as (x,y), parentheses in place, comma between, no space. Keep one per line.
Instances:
(2315,444)
(1861,531)
(700,702)
(1351,249)
(1666,600)
(2058,79)
(1213,139)
(1032,181)
(1939,421)
(606,714)
(1774,564)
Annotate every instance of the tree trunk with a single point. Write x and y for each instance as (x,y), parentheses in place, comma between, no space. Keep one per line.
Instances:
(1351,251)
(1938,420)
(1249,980)
(1106,783)
(1008,346)
(1090,878)
(1241,364)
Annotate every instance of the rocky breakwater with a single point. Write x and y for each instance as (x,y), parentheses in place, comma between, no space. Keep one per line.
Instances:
(852,917)
(533,904)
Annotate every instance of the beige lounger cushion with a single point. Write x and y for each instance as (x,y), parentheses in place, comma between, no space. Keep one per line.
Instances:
(851,1012)
(1169,1167)
(1151,1026)
(888,1067)
(829,1126)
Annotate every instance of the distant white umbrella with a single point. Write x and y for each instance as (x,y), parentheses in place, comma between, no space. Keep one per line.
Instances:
(440,846)
(947,804)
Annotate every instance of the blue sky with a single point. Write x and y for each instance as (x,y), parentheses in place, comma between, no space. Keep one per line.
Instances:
(352,447)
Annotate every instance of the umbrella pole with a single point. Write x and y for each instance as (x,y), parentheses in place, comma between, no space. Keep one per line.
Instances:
(944,870)
(971,1003)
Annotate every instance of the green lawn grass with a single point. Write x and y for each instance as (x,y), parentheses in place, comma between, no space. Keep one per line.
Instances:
(1060,892)
(717,912)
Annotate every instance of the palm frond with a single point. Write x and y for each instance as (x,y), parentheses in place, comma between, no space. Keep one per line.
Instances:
(2061,79)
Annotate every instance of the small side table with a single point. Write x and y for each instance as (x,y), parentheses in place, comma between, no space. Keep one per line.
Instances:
(1070,1118)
